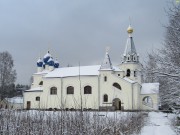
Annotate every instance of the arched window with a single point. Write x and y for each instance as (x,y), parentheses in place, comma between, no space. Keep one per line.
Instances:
(70,90)
(53,91)
(128,72)
(87,90)
(37,98)
(105,78)
(116,85)
(148,101)
(41,83)
(105,98)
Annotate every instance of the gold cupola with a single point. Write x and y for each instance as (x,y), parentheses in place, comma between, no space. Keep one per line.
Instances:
(130,30)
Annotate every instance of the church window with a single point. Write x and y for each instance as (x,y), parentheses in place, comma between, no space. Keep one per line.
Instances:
(148,101)
(105,78)
(70,90)
(116,85)
(135,73)
(53,91)
(105,98)
(87,90)
(128,72)
(37,98)
(41,83)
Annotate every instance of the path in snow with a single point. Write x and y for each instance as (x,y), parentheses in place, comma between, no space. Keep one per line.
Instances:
(158,124)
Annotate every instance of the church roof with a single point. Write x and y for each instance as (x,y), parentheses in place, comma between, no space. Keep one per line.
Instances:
(74,71)
(130,47)
(38,89)
(106,65)
(150,88)
(129,80)
(41,73)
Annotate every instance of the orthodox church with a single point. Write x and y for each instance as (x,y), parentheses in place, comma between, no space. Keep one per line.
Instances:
(96,87)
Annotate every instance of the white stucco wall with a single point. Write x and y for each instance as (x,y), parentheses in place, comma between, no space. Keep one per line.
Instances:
(129,94)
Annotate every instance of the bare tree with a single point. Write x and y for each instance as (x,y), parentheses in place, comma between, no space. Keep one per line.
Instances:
(167,60)
(7,75)
(151,66)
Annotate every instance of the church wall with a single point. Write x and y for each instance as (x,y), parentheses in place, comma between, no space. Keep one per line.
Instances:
(133,67)
(48,100)
(125,94)
(36,80)
(31,96)
(119,74)
(74,100)
(136,96)
(155,101)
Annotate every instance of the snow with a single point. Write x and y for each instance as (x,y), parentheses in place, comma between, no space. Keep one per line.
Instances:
(74,71)
(18,100)
(150,88)
(56,61)
(39,60)
(129,80)
(50,59)
(43,72)
(38,89)
(158,124)
(47,55)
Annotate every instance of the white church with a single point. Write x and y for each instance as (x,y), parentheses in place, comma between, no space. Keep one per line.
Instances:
(94,87)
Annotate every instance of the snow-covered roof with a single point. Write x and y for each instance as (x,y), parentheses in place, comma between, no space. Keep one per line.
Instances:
(129,80)
(130,47)
(43,72)
(106,65)
(37,89)
(17,100)
(74,71)
(150,88)
(39,60)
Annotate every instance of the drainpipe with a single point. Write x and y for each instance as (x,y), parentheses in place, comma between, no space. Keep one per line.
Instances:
(61,92)
(98,91)
(132,97)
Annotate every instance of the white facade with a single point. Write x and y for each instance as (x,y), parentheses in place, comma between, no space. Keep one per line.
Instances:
(92,87)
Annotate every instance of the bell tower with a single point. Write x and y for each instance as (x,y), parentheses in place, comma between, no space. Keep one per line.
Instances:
(130,64)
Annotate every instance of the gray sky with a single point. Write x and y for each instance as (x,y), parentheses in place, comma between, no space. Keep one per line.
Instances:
(77,30)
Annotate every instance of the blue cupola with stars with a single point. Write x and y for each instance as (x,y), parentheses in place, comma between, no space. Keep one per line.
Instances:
(50,62)
(46,58)
(39,63)
(56,64)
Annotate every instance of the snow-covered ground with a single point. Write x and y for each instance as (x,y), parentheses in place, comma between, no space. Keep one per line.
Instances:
(158,124)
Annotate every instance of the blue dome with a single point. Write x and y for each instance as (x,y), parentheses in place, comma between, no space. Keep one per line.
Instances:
(50,62)
(39,63)
(56,64)
(47,57)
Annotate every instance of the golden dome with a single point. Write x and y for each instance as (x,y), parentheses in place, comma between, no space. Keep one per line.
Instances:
(130,30)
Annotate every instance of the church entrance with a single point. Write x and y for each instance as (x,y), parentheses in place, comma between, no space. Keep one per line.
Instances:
(117,103)
(28,105)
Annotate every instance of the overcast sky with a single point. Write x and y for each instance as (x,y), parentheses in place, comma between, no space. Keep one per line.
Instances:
(77,30)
